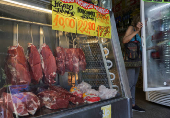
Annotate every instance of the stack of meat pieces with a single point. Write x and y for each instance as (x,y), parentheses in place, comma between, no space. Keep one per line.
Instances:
(22,103)
(52,100)
(65,94)
(4,111)
(57,98)
(16,68)
(70,60)
(34,61)
(48,64)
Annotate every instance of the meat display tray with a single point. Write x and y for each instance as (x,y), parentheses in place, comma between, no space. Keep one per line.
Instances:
(44,112)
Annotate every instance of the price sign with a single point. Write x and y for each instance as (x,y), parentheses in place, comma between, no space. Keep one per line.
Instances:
(103,26)
(61,22)
(77,16)
(106,111)
(85,18)
(63,15)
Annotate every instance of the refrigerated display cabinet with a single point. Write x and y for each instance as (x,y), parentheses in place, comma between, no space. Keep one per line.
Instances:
(24,22)
(156,51)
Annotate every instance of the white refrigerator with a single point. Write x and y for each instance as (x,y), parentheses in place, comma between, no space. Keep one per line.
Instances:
(156,51)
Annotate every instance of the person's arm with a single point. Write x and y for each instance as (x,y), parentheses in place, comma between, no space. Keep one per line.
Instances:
(130,33)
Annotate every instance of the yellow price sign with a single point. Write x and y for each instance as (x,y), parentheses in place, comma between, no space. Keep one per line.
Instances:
(86,27)
(106,111)
(85,18)
(63,18)
(64,23)
(103,26)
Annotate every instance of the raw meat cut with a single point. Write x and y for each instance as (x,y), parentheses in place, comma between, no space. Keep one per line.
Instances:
(16,67)
(60,60)
(68,60)
(4,112)
(52,100)
(48,64)
(75,55)
(82,60)
(64,93)
(22,103)
(34,61)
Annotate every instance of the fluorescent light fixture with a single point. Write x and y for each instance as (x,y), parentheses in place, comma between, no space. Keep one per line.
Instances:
(22,5)
(156,8)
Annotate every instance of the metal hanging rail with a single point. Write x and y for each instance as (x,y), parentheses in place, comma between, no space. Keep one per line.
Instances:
(24,21)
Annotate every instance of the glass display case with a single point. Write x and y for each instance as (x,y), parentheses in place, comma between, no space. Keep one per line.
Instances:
(45,72)
(156,51)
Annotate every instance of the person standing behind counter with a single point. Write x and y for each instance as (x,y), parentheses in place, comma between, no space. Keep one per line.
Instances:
(133,65)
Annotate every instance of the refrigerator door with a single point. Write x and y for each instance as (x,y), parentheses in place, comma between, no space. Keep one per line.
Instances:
(156,45)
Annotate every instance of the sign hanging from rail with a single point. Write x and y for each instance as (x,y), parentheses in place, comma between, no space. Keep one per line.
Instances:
(77,16)
(63,15)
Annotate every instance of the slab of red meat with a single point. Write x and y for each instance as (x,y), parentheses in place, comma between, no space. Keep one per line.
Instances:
(4,112)
(75,55)
(48,65)
(52,100)
(60,60)
(34,61)
(22,103)
(68,60)
(16,68)
(82,60)
(72,98)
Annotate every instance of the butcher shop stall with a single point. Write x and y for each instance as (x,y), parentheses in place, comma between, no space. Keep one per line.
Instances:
(61,59)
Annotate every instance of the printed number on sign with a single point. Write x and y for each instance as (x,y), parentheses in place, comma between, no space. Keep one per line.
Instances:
(103,31)
(85,26)
(63,22)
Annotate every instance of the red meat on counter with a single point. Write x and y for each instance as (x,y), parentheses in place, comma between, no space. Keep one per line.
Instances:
(82,60)
(68,60)
(48,64)
(16,68)
(5,113)
(34,61)
(60,60)
(52,100)
(22,103)
(64,93)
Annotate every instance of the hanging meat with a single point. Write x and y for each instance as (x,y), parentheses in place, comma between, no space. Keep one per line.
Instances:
(75,55)
(16,68)
(22,104)
(60,60)
(52,100)
(65,94)
(34,61)
(82,60)
(68,60)
(48,64)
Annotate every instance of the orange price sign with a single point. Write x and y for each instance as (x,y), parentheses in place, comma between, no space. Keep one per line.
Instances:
(103,31)
(103,26)
(85,14)
(86,27)
(64,23)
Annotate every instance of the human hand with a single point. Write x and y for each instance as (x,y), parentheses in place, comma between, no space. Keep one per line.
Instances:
(139,26)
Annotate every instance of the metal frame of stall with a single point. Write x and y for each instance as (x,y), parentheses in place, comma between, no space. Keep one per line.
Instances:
(120,106)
